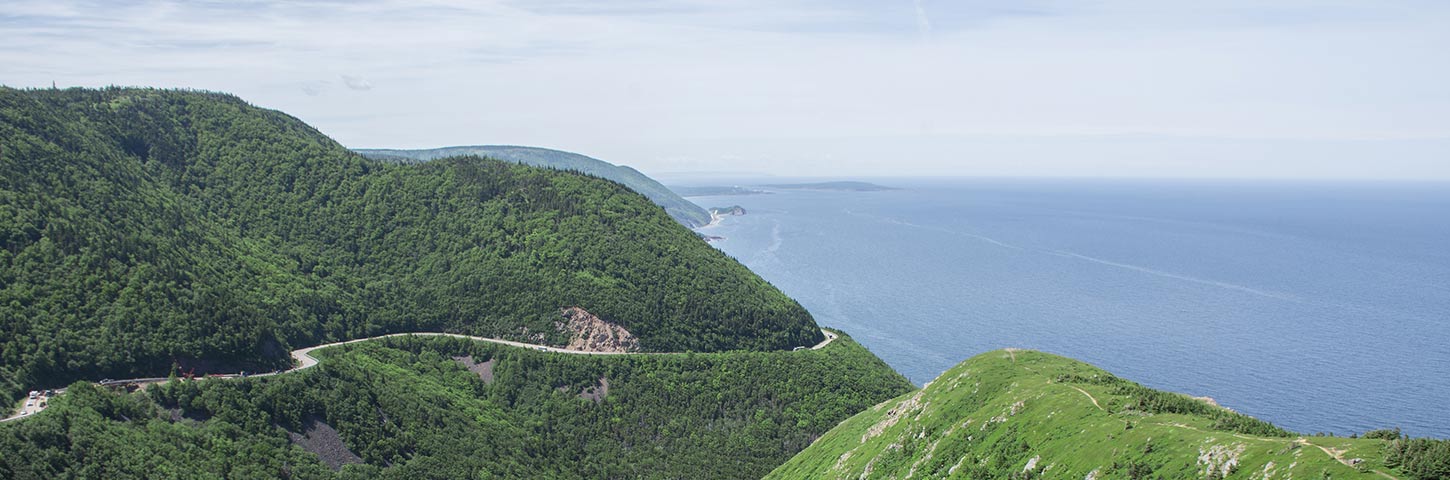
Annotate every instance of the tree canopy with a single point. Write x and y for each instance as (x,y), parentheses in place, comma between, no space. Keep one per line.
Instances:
(141,229)
(410,407)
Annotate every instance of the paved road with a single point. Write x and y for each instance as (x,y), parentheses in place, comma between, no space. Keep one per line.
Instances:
(830,337)
(304,359)
(32,407)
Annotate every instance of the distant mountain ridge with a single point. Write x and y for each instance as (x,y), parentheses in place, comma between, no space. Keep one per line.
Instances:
(681,210)
(709,191)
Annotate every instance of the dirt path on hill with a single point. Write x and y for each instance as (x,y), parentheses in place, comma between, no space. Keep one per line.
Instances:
(1090,397)
(1338,455)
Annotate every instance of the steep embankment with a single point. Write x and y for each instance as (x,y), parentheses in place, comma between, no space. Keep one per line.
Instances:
(441,407)
(684,211)
(1024,414)
(144,228)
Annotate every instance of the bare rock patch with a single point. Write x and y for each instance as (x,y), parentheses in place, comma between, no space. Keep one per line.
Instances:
(484,369)
(320,438)
(594,334)
(596,393)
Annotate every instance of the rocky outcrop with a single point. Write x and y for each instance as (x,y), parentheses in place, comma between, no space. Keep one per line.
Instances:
(596,393)
(320,438)
(593,334)
(735,210)
(484,370)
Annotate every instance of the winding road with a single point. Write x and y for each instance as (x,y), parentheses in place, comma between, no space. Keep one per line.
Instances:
(303,359)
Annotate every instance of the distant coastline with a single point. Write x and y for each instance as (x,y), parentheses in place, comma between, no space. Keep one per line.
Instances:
(714,191)
(832,186)
(722,190)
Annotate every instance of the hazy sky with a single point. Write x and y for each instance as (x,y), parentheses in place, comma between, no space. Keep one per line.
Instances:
(1236,88)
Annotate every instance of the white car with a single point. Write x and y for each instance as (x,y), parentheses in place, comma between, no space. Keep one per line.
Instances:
(30,403)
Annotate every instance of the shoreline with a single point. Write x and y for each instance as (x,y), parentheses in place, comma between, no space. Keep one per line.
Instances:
(715,218)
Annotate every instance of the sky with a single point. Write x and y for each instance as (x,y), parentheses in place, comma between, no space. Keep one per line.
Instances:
(1119,88)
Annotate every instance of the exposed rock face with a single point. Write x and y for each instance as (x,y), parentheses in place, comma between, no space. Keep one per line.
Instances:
(593,334)
(1219,460)
(596,393)
(320,438)
(484,370)
(912,405)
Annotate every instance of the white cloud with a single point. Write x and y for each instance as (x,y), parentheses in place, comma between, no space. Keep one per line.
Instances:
(923,23)
(356,83)
(648,83)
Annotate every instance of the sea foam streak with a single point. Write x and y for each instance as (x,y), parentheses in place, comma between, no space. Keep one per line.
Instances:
(1262,293)
(1061,253)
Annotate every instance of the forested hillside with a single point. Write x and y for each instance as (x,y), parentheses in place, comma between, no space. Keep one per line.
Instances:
(684,211)
(431,407)
(145,228)
(1026,414)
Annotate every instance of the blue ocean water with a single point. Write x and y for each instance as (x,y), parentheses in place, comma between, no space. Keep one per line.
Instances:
(1317,306)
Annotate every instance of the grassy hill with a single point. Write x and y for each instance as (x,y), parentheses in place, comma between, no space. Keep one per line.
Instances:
(411,407)
(144,228)
(681,210)
(1025,414)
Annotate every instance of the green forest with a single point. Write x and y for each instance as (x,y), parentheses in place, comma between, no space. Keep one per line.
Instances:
(408,407)
(683,211)
(142,229)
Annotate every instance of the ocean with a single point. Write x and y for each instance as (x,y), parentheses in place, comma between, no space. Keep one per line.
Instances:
(1319,306)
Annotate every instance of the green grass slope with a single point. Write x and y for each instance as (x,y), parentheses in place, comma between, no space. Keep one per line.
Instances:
(684,211)
(1026,414)
(405,407)
(143,228)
